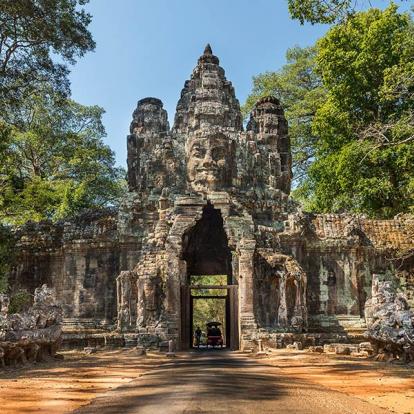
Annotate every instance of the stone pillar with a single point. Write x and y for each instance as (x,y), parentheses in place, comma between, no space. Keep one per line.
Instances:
(176,267)
(298,298)
(246,271)
(235,268)
(282,311)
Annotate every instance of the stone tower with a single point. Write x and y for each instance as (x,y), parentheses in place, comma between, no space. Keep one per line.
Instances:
(208,179)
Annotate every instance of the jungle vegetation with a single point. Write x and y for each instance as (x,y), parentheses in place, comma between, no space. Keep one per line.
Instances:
(53,161)
(349,101)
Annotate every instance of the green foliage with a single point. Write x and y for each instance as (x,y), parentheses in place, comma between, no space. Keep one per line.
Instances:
(350,106)
(31,33)
(209,310)
(324,11)
(365,152)
(319,11)
(361,179)
(55,164)
(299,88)
(6,255)
(20,301)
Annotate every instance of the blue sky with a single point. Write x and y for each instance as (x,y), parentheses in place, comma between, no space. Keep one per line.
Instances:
(149,48)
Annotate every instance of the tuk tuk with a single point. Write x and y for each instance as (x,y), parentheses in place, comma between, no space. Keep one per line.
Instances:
(214,336)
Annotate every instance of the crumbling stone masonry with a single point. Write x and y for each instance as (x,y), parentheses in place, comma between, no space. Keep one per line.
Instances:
(33,335)
(207,197)
(390,322)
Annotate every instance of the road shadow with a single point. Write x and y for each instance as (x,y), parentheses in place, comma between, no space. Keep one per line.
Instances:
(337,364)
(211,376)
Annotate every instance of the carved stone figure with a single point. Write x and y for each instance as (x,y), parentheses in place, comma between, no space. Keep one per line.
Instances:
(127,299)
(43,296)
(208,161)
(150,301)
(2,353)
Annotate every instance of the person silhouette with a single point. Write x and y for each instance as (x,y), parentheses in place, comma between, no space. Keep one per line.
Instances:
(197,336)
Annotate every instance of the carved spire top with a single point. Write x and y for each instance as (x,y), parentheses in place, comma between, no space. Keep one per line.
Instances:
(207,50)
(208,99)
(208,57)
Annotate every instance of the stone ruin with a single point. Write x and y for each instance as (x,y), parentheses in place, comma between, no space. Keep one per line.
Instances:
(33,335)
(210,197)
(390,322)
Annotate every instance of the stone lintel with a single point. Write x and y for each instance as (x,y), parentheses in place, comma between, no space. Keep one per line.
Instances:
(189,201)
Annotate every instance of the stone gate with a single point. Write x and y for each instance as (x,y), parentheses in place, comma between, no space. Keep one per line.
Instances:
(206,197)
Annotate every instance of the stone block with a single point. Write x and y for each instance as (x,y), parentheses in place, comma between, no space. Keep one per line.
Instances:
(316,349)
(366,347)
(342,350)
(329,348)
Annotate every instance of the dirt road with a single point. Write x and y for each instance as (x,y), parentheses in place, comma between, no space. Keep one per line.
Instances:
(223,382)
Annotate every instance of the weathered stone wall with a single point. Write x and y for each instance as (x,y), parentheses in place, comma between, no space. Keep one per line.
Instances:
(80,259)
(339,254)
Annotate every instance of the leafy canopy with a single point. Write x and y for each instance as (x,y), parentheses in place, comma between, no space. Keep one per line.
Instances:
(324,11)
(350,106)
(32,32)
(55,164)
(365,152)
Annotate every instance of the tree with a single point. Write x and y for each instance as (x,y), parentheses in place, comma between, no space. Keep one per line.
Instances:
(31,33)
(324,11)
(55,164)
(350,106)
(300,90)
(364,158)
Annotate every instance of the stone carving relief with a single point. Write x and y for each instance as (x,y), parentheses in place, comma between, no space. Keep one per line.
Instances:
(209,161)
(127,299)
(290,293)
(149,301)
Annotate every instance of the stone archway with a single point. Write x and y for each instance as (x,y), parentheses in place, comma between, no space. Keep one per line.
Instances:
(205,246)
(206,252)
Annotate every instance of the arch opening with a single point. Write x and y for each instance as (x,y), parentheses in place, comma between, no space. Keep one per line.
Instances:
(209,281)
(205,246)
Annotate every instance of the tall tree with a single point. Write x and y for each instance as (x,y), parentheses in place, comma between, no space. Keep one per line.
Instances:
(55,164)
(299,88)
(31,33)
(325,11)
(364,160)
(352,120)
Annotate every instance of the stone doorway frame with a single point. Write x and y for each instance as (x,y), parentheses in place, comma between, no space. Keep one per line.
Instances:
(232,314)
(240,233)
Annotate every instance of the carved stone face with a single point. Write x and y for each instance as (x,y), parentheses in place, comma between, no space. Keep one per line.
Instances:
(208,160)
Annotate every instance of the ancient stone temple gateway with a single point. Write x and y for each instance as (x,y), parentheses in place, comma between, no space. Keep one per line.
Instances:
(207,197)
